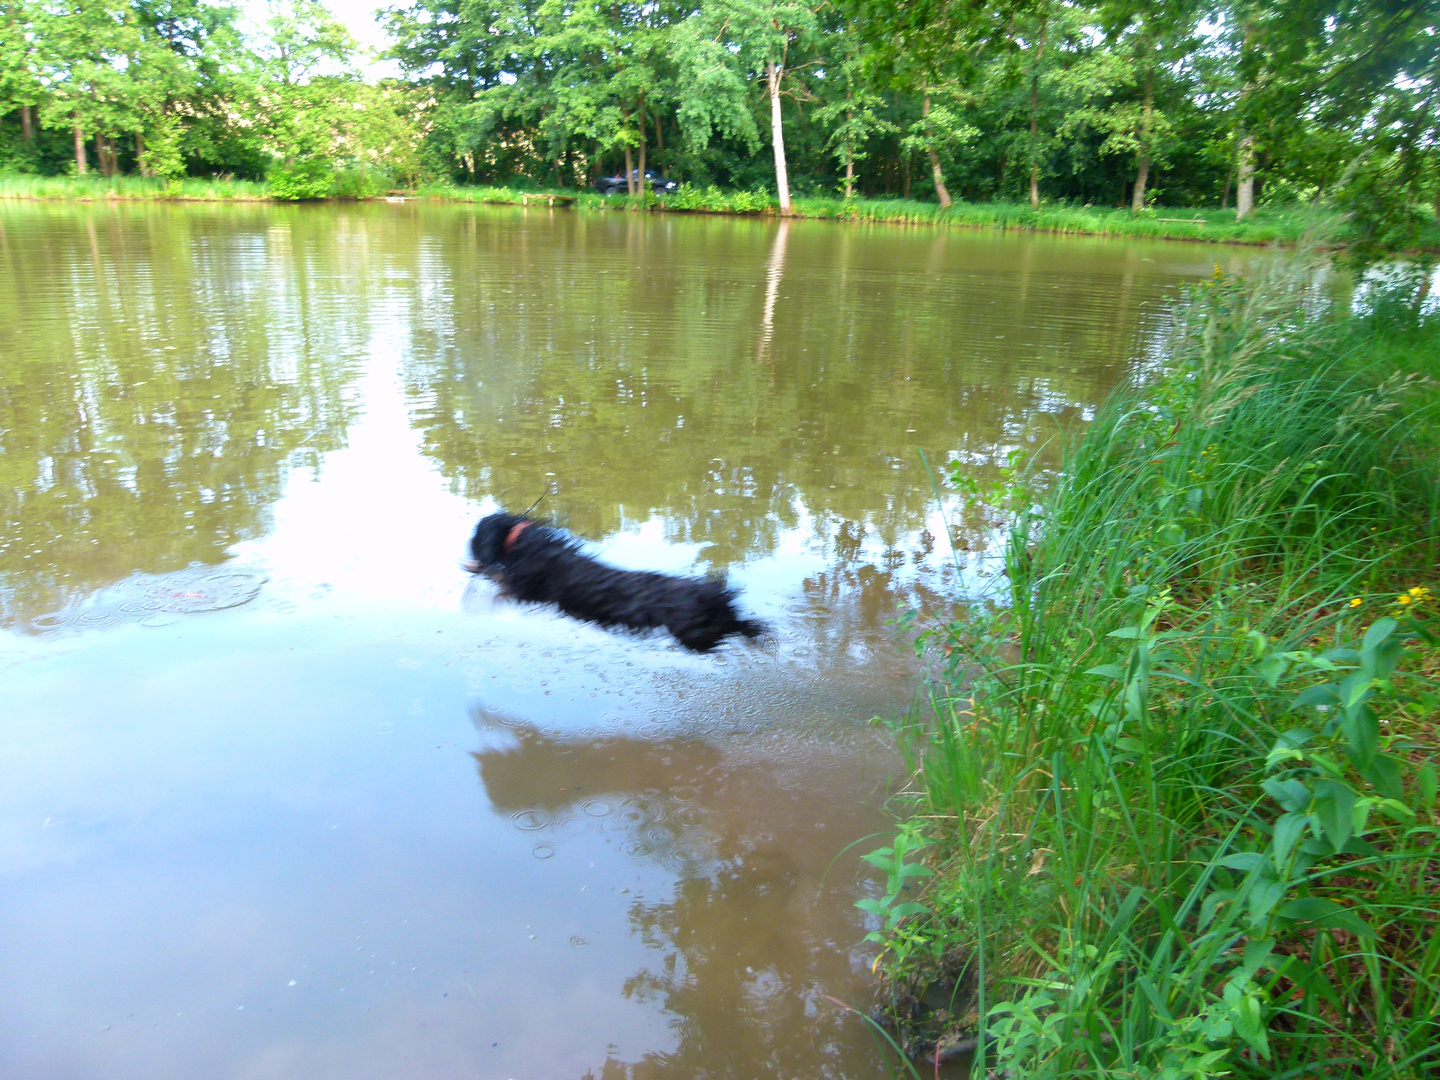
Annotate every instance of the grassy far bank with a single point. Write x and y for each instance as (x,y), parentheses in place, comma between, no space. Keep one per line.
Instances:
(1267,225)
(1175,810)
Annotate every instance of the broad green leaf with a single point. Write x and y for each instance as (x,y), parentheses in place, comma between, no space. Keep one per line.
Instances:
(1334,803)
(1362,736)
(1249,1015)
(1288,830)
(1272,667)
(1265,892)
(1290,794)
(1379,631)
(1426,784)
(1323,694)
(1353,689)
(1322,912)
(1242,860)
(1384,772)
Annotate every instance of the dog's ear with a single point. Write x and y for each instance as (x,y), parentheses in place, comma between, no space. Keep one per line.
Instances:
(487,546)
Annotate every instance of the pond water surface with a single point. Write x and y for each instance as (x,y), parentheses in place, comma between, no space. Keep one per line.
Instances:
(285,794)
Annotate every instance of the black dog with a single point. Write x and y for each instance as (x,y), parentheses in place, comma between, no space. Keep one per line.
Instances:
(531,561)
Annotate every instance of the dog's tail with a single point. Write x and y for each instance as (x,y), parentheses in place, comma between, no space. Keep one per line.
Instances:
(754,629)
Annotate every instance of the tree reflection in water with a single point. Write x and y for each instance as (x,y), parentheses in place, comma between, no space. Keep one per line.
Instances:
(612,362)
(154,393)
(759,928)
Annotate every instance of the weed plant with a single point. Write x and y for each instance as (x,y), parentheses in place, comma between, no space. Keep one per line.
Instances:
(197,189)
(1175,810)
(1287,225)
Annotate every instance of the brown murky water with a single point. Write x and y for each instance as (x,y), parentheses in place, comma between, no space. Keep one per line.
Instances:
(285,795)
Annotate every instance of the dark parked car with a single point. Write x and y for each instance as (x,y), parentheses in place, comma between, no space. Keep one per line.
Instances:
(615,185)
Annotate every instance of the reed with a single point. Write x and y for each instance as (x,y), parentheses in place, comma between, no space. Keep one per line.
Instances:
(1175,810)
(128,188)
(1287,225)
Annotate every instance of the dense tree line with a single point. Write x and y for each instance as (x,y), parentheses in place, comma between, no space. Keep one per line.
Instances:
(166,88)
(1183,102)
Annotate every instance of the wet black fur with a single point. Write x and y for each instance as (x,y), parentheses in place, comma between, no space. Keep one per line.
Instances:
(545,566)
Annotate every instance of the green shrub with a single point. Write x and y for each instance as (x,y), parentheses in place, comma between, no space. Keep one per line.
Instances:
(354,182)
(309,178)
(1176,785)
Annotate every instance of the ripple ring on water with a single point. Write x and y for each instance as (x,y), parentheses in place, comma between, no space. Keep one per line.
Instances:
(530,819)
(636,848)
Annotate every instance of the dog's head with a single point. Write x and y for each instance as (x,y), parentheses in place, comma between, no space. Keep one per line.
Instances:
(487,546)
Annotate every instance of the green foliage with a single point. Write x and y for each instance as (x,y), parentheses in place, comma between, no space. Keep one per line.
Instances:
(715,201)
(1186,744)
(1107,104)
(306,179)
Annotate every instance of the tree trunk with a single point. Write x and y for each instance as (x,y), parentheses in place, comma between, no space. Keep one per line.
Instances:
(1245,177)
(79,149)
(1225,195)
(1035,117)
(1142,172)
(905,176)
(773,75)
(941,192)
(1142,175)
(849,151)
(850,172)
(629,173)
(641,184)
(27,123)
(1034,177)
(140,162)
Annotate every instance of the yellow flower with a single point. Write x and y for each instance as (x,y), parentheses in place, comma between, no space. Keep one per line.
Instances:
(1420,592)
(1355,601)
(1404,598)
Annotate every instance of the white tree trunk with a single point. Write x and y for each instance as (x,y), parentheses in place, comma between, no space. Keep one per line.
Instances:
(941,191)
(641,185)
(1245,176)
(79,150)
(773,76)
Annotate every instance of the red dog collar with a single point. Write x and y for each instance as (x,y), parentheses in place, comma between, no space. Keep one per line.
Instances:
(514,534)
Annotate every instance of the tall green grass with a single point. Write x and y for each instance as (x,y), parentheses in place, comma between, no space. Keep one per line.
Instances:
(1286,225)
(1175,811)
(127,188)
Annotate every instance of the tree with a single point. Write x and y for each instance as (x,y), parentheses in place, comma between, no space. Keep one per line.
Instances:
(304,80)
(20,86)
(1139,72)
(730,43)
(854,114)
